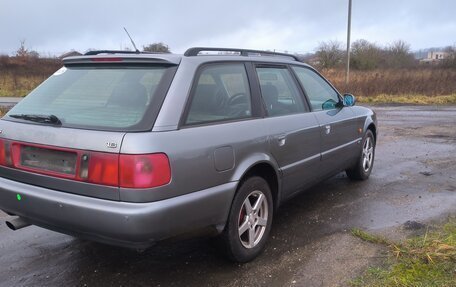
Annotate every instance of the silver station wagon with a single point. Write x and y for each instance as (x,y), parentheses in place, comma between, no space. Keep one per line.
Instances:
(130,148)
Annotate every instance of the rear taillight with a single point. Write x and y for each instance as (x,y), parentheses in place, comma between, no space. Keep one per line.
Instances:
(111,169)
(103,168)
(144,170)
(2,152)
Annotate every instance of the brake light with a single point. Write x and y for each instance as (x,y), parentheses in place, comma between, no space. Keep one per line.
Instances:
(2,152)
(111,169)
(110,59)
(103,168)
(144,171)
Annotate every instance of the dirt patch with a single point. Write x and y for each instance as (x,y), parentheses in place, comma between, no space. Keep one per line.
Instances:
(335,260)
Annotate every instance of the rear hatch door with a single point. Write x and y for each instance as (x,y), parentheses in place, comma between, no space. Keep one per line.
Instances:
(60,158)
(66,135)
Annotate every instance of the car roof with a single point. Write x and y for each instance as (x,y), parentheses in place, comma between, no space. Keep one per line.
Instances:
(198,54)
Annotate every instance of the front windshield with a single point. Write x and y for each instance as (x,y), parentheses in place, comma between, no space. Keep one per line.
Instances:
(94,97)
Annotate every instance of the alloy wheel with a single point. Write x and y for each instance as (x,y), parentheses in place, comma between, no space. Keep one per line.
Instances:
(253,219)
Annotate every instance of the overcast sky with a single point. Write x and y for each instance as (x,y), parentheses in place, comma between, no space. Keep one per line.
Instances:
(54,27)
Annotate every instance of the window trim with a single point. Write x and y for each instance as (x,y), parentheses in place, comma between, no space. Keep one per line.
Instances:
(301,94)
(339,96)
(191,95)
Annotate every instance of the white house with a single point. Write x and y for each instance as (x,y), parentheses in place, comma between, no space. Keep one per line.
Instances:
(434,57)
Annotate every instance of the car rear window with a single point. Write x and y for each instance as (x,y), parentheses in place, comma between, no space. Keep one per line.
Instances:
(100,97)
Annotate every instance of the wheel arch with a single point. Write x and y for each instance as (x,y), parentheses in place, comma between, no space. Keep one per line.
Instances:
(267,172)
(371,124)
(265,167)
(373,129)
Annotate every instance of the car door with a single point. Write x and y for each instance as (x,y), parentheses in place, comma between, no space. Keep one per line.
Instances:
(338,126)
(294,133)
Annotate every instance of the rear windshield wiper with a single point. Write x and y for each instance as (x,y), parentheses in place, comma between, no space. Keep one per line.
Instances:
(47,119)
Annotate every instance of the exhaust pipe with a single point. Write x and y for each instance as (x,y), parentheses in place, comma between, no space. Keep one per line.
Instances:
(17,223)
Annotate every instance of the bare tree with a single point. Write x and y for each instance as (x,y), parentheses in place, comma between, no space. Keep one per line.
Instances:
(398,55)
(157,48)
(22,51)
(365,55)
(330,54)
(450,60)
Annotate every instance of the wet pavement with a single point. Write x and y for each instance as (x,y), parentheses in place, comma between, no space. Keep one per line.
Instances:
(9,101)
(414,179)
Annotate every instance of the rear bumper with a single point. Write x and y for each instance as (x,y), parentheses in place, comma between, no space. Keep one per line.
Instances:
(135,225)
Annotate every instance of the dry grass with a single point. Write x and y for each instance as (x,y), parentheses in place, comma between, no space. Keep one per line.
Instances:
(412,85)
(18,76)
(409,99)
(3,111)
(18,86)
(428,260)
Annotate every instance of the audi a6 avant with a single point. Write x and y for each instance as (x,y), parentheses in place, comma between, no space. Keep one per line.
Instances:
(131,148)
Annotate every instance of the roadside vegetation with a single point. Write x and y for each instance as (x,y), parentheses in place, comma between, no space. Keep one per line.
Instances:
(379,74)
(388,74)
(426,261)
(23,72)
(419,85)
(3,111)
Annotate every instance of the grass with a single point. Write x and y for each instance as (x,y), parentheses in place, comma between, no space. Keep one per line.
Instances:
(3,110)
(363,235)
(422,86)
(409,99)
(419,81)
(18,86)
(19,75)
(423,261)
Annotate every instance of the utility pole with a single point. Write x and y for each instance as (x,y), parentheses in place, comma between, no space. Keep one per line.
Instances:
(347,75)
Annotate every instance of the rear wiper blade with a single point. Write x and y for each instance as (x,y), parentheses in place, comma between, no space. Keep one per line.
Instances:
(47,119)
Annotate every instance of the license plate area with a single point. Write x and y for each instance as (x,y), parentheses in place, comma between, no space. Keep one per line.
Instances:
(48,160)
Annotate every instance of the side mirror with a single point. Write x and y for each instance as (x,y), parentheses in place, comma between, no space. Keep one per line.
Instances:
(349,100)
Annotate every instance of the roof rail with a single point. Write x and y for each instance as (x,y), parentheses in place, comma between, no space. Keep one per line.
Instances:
(243,52)
(96,52)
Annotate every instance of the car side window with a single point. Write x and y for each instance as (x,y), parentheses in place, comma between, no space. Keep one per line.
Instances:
(221,93)
(321,95)
(279,91)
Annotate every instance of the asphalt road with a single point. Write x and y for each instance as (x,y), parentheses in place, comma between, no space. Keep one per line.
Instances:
(9,101)
(414,179)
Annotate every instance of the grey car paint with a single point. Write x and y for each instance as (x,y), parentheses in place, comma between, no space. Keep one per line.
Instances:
(61,137)
(191,152)
(339,138)
(134,225)
(295,143)
(207,163)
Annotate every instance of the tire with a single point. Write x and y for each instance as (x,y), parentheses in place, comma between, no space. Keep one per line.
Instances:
(363,166)
(249,221)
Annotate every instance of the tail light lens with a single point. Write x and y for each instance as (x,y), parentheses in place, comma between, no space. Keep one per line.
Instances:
(124,170)
(2,152)
(144,171)
(103,168)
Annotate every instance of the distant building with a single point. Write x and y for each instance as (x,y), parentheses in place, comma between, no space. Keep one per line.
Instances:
(70,54)
(434,57)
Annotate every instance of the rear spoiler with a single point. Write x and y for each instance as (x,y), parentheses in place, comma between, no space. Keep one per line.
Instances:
(120,58)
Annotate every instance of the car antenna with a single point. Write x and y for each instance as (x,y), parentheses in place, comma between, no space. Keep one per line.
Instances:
(132,42)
